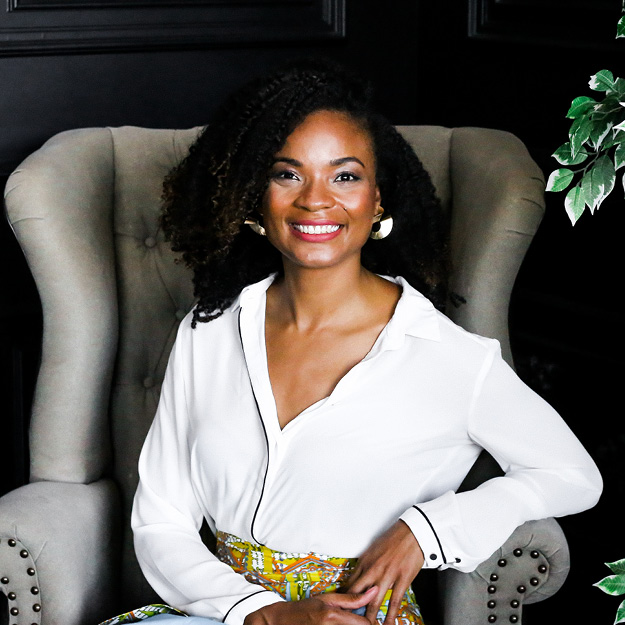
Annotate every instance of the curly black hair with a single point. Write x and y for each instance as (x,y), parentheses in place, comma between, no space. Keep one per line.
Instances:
(221,182)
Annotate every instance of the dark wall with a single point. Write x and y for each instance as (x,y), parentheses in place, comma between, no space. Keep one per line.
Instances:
(510,64)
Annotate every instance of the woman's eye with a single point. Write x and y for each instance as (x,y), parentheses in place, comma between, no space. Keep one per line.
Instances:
(284,174)
(347,176)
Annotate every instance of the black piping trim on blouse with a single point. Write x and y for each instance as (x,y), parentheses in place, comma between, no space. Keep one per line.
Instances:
(440,547)
(262,492)
(223,620)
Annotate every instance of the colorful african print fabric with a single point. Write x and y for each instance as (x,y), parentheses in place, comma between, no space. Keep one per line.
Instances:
(297,576)
(140,614)
(293,576)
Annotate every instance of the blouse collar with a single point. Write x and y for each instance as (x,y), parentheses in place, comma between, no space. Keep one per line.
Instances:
(414,314)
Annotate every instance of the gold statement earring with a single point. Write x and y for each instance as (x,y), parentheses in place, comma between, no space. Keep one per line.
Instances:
(381,227)
(255,226)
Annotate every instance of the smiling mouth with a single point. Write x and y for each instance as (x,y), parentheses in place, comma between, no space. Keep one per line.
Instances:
(325,229)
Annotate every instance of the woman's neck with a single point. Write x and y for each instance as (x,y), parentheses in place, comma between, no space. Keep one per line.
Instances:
(313,298)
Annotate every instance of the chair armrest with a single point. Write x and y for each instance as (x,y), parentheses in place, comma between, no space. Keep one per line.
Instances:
(531,566)
(58,546)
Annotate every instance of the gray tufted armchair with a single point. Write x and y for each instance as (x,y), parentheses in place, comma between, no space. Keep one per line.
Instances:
(84,208)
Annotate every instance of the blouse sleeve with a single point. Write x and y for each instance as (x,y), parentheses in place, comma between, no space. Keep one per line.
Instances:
(166,518)
(547,473)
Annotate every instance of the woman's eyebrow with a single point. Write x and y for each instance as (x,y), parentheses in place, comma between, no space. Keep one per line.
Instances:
(286,159)
(346,159)
(337,162)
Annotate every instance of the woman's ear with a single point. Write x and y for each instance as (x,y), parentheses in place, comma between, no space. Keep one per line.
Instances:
(378,200)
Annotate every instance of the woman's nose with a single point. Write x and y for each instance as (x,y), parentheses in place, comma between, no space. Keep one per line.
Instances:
(315,196)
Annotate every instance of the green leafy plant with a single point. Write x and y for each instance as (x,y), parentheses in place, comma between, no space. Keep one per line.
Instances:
(615,585)
(595,150)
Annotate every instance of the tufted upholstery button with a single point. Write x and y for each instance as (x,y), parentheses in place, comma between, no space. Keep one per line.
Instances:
(492,589)
(30,571)
(491,604)
(502,562)
(150,242)
(534,581)
(148,382)
(521,588)
(515,603)
(518,552)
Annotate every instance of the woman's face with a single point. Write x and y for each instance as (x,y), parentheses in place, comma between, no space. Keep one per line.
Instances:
(322,197)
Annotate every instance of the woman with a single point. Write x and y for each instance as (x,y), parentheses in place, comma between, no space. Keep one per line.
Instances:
(311,405)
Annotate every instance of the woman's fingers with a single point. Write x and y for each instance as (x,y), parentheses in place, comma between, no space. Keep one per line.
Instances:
(349,600)
(391,563)
(399,590)
(326,609)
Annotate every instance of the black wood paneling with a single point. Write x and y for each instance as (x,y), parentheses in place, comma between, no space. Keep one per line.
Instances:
(62,26)
(550,22)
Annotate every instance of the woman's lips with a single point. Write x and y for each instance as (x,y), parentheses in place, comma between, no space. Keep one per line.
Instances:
(316,231)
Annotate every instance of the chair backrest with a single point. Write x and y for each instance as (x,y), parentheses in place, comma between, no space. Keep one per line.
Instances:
(84,208)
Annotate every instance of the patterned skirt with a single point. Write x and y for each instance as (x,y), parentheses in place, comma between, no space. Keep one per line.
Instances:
(294,576)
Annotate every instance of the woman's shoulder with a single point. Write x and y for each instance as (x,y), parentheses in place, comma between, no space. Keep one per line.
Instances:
(438,326)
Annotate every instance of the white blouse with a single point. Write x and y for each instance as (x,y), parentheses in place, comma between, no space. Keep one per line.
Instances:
(393,441)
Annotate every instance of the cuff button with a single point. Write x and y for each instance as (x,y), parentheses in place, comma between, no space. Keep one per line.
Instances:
(433,556)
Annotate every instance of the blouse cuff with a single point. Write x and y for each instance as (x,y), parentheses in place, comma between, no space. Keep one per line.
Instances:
(237,613)
(426,536)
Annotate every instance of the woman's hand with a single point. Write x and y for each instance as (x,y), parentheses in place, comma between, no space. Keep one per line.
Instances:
(328,609)
(392,561)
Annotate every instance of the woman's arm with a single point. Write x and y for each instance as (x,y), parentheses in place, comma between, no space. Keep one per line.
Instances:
(548,473)
(166,516)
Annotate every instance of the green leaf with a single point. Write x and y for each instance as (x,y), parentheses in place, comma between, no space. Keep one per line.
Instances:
(564,156)
(619,85)
(612,584)
(592,189)
(579,133)
(559,180)
(616,567)
(620,28)
(614,138)
(619,161)
(608,105)
(599,131)
(620,614)
(602,81)
(580,106)
(606,176)
(574,205)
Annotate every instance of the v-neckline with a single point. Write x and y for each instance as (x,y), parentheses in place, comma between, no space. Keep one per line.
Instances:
(348,374)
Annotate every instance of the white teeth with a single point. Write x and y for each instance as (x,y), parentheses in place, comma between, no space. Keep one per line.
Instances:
(316,229)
